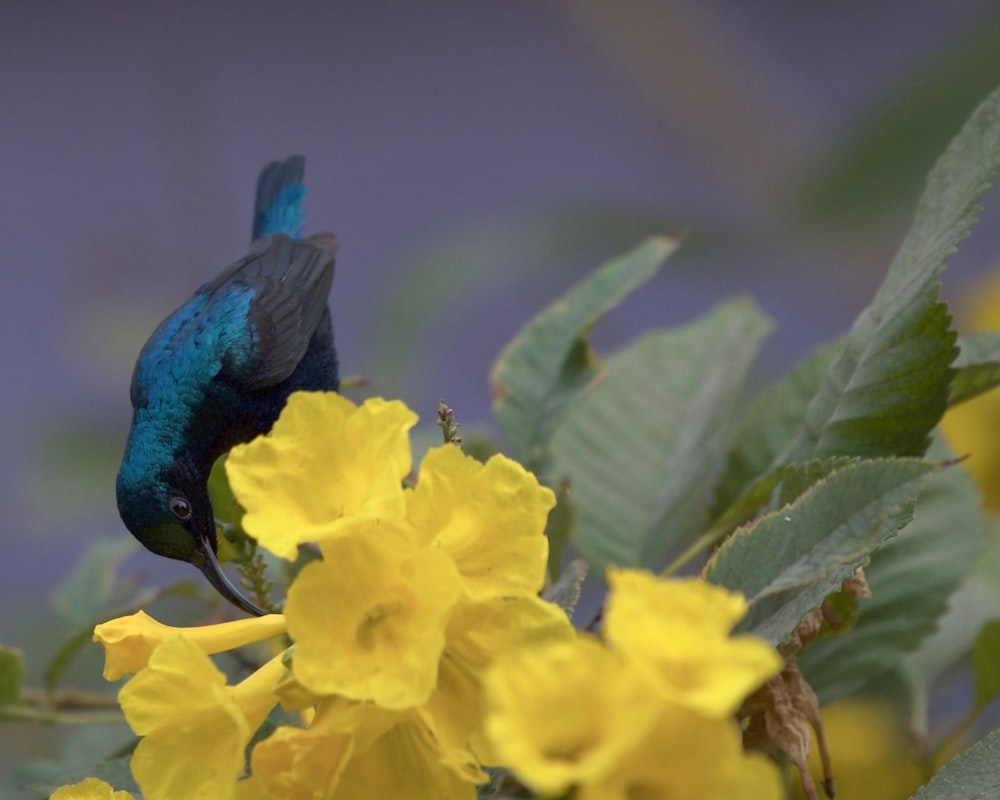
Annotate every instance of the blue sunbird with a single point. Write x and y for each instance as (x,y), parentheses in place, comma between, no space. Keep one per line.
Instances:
(218,371)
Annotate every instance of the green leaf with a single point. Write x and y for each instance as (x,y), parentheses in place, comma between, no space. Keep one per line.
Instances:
(643,448)
(911,579)
(786,562)
(93,586)
(565,592)
(978,365)
(11,675)
(889,386)
(480,260)
(65,655)
(772,422)
(986,663)
(544,368)
(973,775)
(559,529)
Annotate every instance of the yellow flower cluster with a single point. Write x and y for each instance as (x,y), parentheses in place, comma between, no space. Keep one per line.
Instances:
(646,713)
(421,650)
(418,592)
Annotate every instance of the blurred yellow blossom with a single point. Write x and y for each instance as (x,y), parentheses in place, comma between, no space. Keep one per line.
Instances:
(971,428)
(89,789)
(627,718)
(876,756)
(566,714)
(677,632)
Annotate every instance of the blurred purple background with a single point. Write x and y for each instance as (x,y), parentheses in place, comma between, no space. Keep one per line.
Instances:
(474,159)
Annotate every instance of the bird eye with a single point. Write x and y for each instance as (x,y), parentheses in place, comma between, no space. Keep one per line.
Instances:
(180,507)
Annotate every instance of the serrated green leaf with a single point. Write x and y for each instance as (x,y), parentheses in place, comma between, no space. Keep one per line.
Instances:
(973,775)
(786,562)
(978,365)
(889,386)
(11,675)
(89,591)
(797,478)
(911,579)
(986,663)
(642,449)
(771,423)
(547,365)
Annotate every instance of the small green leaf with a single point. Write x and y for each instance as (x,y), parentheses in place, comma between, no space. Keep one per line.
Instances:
(87,594)
(66,654)
(786,562)
(978,365)
(973,775)
(547,365)
(565,592)
(986,663)
(642,450)
(11,675)
(911,579)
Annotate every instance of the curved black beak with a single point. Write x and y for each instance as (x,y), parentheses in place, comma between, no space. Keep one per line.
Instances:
(212,569)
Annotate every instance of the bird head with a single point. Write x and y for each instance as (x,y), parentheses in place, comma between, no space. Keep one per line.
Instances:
(169,512)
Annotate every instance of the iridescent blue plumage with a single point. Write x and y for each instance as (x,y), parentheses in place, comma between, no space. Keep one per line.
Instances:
(218,371)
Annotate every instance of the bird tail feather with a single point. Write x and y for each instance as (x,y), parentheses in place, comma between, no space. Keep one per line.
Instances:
(280,192)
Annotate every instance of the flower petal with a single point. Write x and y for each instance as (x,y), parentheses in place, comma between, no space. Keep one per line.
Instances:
(325,459)
(489,517)
(566,713)
(89,789)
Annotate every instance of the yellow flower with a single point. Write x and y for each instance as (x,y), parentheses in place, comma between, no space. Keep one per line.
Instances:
(876,757)
(490,518)
(324,460)
(369,620)
(354,750)
(129,641)
(89,789)
(686,756)
(677,633)
(567,713)
(297,764)
(195,728)
(480,634)
(402,762)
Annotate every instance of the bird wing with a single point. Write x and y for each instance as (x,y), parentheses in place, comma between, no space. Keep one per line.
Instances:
(290,282)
